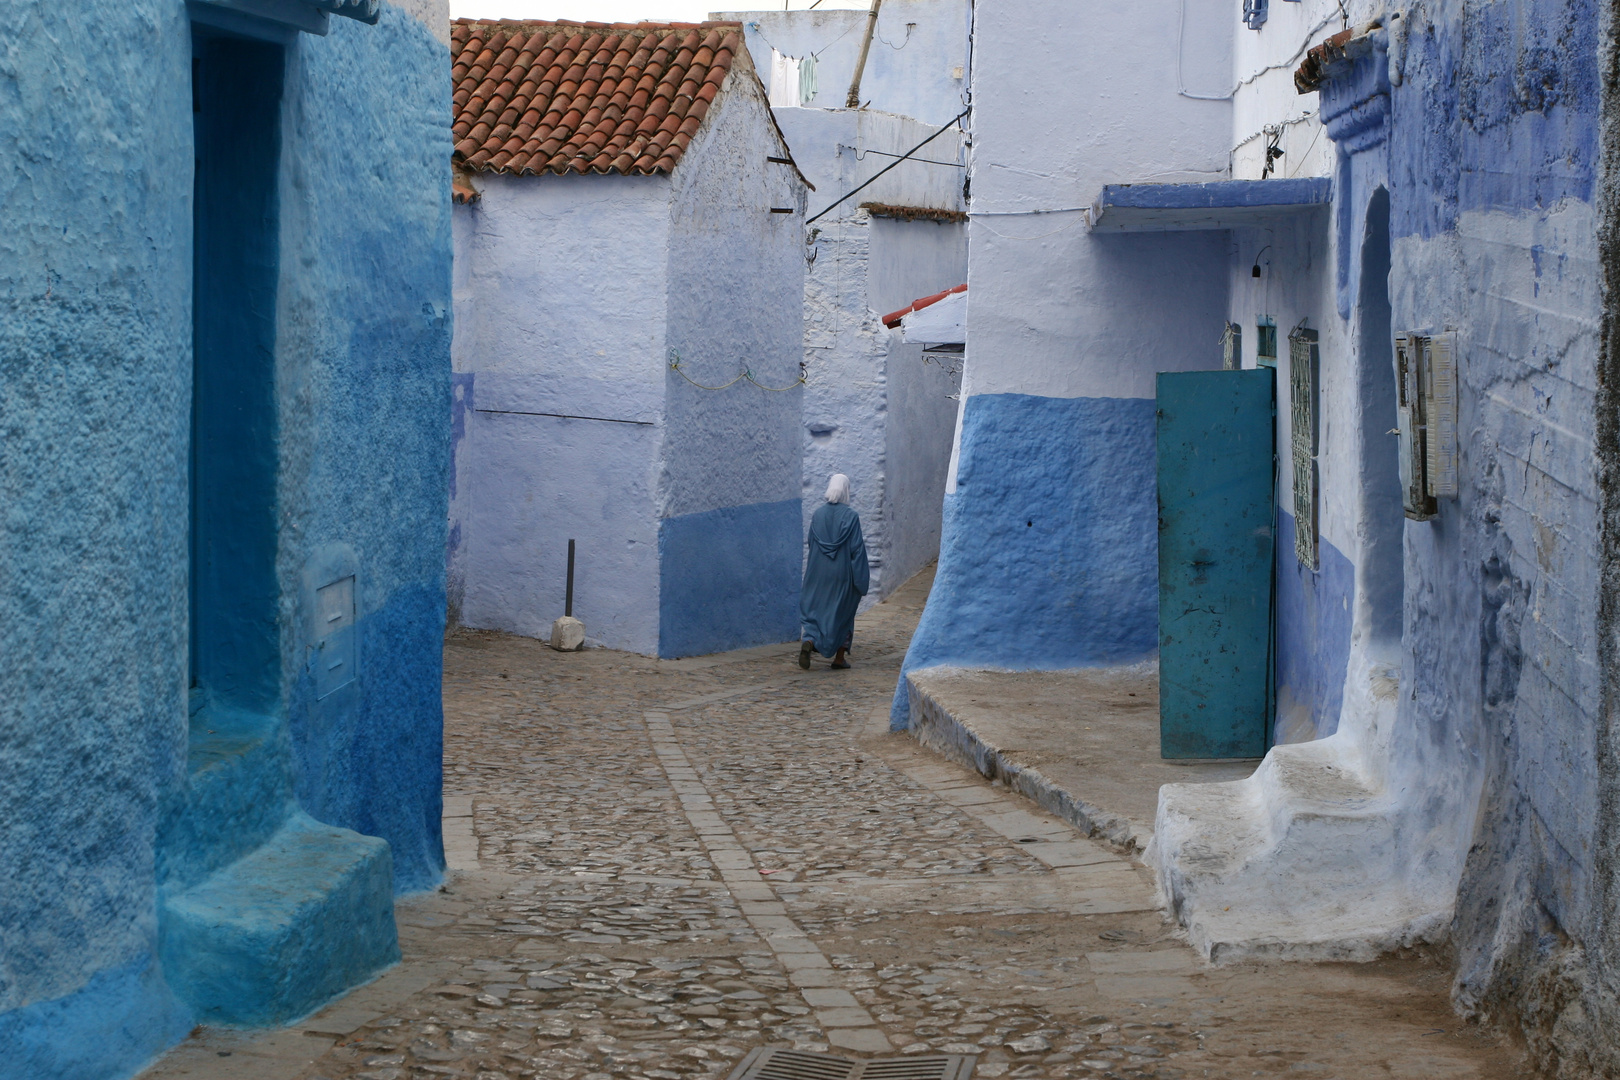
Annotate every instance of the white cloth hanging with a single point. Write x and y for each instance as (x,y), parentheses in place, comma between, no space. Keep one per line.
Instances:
(784,81)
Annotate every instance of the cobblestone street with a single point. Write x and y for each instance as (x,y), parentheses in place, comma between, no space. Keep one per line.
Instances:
(662,865)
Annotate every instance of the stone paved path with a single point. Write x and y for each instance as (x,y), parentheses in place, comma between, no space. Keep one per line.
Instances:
(661,865)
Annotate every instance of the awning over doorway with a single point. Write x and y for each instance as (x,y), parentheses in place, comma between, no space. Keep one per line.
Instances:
(1223,204)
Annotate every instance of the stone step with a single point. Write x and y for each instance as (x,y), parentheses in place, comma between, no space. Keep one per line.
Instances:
(1305,859)
(238,792)
(298,920)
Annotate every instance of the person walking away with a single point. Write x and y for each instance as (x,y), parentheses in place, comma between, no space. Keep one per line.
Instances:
(836,576)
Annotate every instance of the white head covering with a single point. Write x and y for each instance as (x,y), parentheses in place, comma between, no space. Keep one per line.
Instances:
(838,489)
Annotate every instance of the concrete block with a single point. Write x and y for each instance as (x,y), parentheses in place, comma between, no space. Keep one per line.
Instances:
(296,922)
(567,634)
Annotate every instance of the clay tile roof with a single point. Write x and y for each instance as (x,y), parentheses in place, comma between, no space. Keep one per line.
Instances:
(562,97)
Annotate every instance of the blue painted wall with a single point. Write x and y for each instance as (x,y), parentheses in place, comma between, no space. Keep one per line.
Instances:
(95,401)
(728,578)
(365,367)
(1312,636)
(1495,161)
(1049,557)
(95,382)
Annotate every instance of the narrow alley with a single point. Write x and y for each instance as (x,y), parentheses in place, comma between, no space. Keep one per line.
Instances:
(677,862)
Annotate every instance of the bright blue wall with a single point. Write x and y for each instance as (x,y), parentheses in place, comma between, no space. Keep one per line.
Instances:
(366,334)
(95,395)
(95,381)
(1312,637)
(1049,557)
(728,578)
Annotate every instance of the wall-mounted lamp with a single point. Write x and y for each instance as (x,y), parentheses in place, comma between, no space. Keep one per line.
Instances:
(1255,270)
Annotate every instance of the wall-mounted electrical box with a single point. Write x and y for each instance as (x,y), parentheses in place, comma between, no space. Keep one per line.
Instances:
(1426,413)
(1304,370)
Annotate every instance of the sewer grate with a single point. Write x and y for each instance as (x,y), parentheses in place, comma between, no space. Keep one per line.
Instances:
(773,1063)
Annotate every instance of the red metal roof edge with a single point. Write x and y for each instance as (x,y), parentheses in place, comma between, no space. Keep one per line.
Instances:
(892,319)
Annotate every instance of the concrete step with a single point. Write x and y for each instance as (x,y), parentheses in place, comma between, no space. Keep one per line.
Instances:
(298,920)
(1306,859)
(238,792)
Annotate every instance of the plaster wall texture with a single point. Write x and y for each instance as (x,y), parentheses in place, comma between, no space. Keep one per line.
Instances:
(1065,331)
(874,409)
(1479,760)
(546,324)
(653,484)
(728,487)
(1261,82)
(97,331)
(917,65)
(841,149)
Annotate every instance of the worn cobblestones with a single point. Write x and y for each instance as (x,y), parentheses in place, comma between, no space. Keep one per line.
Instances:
(677,862)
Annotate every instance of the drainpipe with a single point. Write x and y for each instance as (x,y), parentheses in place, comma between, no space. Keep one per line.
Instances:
(854,99)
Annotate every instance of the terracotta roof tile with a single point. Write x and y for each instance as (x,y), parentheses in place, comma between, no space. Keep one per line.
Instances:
(583,97)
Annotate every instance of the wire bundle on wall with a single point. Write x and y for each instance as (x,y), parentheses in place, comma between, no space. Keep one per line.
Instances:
(675,366)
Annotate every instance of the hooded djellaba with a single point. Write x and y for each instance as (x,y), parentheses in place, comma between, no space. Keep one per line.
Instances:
(836,576)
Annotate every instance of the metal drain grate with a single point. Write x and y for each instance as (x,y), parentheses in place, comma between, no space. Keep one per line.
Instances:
(771,1063)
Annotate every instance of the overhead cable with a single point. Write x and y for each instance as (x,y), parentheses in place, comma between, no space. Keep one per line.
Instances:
(893,163)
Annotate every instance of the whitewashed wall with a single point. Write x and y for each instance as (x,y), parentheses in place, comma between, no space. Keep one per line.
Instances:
(917,66)
(1048,551)
(729,530)
(560,308)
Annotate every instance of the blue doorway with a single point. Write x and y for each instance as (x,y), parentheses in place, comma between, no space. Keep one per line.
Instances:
(1215,433)
(234,646)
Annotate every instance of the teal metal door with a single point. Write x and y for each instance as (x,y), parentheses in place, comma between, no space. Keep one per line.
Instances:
(1216,516)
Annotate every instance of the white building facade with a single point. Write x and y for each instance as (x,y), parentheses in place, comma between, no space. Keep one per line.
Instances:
(876,408)
(627,342)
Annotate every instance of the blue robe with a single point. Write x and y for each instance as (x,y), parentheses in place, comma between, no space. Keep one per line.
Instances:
(835,577)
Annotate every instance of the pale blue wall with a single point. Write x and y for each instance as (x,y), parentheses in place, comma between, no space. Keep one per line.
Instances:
(95,345)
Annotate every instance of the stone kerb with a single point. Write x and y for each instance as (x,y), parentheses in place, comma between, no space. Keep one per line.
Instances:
(934,726)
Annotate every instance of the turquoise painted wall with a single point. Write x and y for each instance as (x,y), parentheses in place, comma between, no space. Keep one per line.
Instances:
(95,401)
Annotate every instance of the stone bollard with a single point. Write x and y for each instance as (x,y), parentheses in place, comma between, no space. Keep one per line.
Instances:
(567,634)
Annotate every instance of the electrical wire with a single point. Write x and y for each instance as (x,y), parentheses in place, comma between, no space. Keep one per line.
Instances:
(892,164)
(1181,34)
(675,366)
(1086,210)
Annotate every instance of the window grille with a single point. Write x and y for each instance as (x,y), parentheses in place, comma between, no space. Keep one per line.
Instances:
(1304,369)
(1254,13)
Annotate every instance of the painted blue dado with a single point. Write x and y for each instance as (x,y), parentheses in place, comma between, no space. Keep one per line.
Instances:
(370,762)
(118,1018)
(1049,556)
(1313,637)
(729,578)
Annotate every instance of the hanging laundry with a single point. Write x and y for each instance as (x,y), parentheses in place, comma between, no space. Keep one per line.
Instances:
(807,79)
(784,80)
